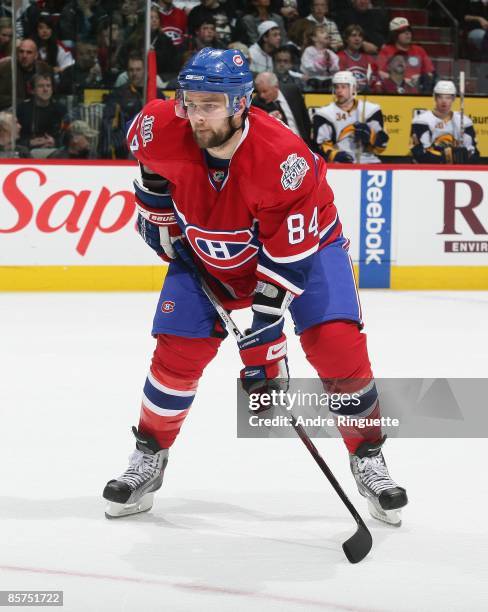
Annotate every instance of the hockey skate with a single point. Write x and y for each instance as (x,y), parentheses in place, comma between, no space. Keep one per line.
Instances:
(133,492)
(385,497)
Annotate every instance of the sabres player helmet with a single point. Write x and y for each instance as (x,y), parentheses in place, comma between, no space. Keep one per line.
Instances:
(445,87)
(347,78)
(215,71)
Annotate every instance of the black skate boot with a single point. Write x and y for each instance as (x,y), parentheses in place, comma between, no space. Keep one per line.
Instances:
(385,497)
(133,492)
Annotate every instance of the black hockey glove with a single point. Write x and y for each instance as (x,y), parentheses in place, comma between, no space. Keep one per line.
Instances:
(343,157)
(362,133)
(460,155)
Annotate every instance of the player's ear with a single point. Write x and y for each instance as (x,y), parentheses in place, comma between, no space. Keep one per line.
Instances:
(242,108)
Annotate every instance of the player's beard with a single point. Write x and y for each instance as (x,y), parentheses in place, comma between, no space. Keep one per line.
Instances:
(211,138)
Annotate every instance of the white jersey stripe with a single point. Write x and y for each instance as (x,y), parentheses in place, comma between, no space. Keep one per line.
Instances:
(160,411)
(160,387)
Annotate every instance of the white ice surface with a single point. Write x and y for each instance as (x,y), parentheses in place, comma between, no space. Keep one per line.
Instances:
(239,525)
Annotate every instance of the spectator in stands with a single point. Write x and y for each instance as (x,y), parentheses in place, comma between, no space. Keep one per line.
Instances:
(283,68)
(131,17)
(287,105)
(110,41)
(289,11)
(5,37)
(395,83)
(186,5)
(174,22)
(319,63)
(223,16)
(437,136)
(168,58)
(474,15)
(51,50)
(41,117)
(259,12)
(85,73)
(352,57)
(205,36)
(9,129)
(78,142)
(318,15)
(80,19)
(299,30)
(374,22)
(121,106)
(420,69)
(26,23)
(261,52)
(27,66)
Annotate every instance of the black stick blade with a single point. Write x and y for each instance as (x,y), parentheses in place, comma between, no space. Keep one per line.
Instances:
(358,545)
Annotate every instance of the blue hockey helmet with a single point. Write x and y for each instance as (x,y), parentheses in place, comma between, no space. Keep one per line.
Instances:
(223,71)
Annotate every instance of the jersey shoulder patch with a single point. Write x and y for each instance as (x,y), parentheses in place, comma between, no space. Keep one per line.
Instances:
(424,117)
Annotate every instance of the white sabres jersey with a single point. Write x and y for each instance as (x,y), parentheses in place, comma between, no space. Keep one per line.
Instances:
(429,130)
(333,126)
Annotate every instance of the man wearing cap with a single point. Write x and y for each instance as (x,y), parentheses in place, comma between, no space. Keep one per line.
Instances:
(269,39)
(420,69)
(441,135)
(79,140)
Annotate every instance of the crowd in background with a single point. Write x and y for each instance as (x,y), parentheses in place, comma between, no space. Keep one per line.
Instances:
(68,48)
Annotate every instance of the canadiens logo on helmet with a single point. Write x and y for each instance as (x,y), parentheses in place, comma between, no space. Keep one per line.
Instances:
(294,170)
(146,129)
(167,306)
(220,249)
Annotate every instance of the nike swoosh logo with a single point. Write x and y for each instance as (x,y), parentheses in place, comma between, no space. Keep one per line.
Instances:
(275,351)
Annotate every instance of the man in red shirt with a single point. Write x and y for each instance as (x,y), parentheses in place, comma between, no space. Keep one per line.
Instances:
(174,22)
(396,83)
(420,69)
(353,59)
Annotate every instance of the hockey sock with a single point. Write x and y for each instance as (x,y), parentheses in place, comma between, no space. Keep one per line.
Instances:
(338,352)
(171,384)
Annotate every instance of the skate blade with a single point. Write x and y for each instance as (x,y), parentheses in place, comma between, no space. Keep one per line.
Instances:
(391,517)
(115,510)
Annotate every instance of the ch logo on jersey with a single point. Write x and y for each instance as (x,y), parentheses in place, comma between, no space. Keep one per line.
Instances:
(294,170)
(167,306)
(224,250)
(174,33)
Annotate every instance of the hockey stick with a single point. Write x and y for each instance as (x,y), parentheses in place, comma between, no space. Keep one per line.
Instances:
(359,148)
(461,100)
(359,544)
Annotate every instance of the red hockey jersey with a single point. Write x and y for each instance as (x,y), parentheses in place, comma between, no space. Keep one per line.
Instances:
(271,214)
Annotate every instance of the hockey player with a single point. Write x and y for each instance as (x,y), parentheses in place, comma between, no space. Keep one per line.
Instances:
(251,203)
(339,131)
(443,136)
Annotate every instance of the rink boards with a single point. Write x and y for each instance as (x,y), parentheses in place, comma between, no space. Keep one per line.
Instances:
(71,226)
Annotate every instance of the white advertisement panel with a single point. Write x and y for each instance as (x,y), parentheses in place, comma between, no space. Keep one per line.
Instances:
(69,214)
(440,217)
(346,185)
(407,225)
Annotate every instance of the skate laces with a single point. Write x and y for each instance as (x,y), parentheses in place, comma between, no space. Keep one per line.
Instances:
(142,466)
(374,473)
